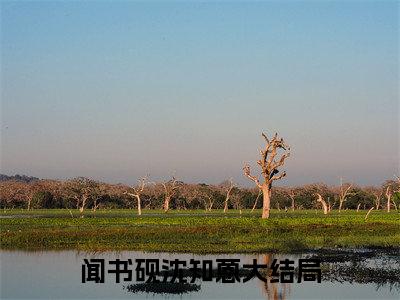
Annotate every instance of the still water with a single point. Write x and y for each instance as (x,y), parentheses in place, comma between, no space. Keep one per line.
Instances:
(58,275)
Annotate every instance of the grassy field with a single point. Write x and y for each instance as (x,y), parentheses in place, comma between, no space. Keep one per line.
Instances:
(196,231)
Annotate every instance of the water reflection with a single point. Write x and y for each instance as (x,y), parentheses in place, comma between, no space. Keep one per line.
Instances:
(273,290)
(345,274)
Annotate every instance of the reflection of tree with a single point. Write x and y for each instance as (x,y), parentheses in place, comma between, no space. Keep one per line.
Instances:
(338,266)
(379,267)
(272,290)
(357,273)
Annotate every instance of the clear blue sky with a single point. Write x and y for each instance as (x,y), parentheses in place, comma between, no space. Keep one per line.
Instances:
(117,90)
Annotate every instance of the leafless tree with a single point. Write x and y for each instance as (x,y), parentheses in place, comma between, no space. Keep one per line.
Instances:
(388,194)
(292,195)
(12,191)
(81,190)
(27,191)
(228,189)
(208,202)
(237,202)
(269,169)
(392,190)
(190,193)
(170,188)
(204,193)
(34,187)
(377,194)
(324,205)
(331,206)
(138,191)
(397,192)
(255,202)
(344,191)
(369,211)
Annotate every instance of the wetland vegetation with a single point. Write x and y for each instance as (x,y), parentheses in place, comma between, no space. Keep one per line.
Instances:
(197,231)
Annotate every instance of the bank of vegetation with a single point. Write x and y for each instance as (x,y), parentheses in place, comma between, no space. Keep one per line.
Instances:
(197,231)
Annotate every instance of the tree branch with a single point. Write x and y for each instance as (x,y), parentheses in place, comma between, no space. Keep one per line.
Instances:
(276,177)
(246,172)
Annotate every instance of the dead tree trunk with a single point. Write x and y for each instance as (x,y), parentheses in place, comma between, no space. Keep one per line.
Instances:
(83,204)
(139,204)
(29,203)
(269,169)
(78,201)
(330,207)
(266,201)
(324,205)
(369,211)
(137,192)
(344,192)
(211,205)
(167,200)
(95,204)
(398,192)
(358,207)
(228,195)
(389,197)
(170,188)
(377,199)
(255,202)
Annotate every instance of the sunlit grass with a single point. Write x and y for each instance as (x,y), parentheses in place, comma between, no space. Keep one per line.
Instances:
(197,231)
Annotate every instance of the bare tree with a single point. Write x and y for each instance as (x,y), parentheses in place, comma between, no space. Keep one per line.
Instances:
(255,202)
(292,195)
(396,192)
(34,187)
(82,190)
(392,192)
(170,188)
(269,169)
(331,206)
(377,194)
(189,193)
(138,191)
(29,190)
(344,191)
(13,191)
(388,194)
(102,189)
(96,202)
(369,211)
(324,205)
(208,202)
(228,190)
(237,202)
(205,194)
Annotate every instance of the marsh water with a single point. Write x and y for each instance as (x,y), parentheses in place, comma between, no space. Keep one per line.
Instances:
(58,275)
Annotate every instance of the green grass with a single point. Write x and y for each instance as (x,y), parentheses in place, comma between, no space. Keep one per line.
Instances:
(197,231)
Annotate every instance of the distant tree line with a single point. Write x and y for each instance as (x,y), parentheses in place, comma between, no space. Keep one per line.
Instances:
(84,193)
(17,177)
